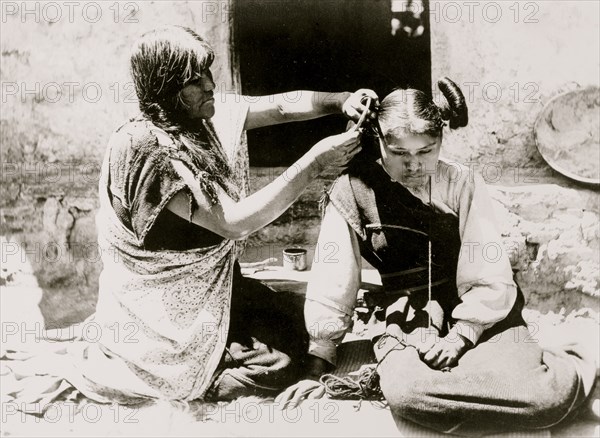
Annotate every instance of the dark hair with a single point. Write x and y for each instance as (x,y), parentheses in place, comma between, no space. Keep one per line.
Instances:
(163,61)
(415,112)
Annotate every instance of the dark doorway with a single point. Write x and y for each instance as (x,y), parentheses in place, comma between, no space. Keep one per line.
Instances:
(322,45)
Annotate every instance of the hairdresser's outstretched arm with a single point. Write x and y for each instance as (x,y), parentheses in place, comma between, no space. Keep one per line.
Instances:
(236,220)
(299,105)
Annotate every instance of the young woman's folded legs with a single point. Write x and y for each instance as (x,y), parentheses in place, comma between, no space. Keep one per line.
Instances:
(507,382)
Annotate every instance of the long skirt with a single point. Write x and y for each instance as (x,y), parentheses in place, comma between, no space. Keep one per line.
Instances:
(266,345)
(506,382)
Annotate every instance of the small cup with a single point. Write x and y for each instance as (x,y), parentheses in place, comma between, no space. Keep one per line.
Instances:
(294,259)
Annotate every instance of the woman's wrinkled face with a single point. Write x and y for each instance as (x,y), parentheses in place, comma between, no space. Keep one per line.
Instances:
(410,159)
(198,96)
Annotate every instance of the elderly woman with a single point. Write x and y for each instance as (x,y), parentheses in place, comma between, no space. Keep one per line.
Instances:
(173,210)
(453,351)
(175,319)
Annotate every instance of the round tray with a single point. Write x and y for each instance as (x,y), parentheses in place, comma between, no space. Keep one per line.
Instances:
(567,132)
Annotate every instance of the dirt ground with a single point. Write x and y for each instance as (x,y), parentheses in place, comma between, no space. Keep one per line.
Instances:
(20,297)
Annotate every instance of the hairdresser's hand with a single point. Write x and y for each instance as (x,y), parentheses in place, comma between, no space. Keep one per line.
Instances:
(303,390)
(354,105)
(440,353)
(337,150)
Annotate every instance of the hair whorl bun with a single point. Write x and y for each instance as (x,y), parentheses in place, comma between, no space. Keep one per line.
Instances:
(454,107)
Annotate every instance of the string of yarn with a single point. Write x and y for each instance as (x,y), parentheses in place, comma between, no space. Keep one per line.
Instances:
(364,387)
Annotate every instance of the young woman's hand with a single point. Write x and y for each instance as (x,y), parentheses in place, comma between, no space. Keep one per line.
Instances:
(354,106)
(440,353)
(337,150)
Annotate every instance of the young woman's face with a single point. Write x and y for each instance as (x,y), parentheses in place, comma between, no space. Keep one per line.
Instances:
(410,159)
(198,98)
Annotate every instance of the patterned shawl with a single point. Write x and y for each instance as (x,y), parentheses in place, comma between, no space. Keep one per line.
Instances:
(162,317)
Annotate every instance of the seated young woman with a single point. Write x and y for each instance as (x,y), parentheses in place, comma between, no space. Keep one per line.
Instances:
(454,353)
